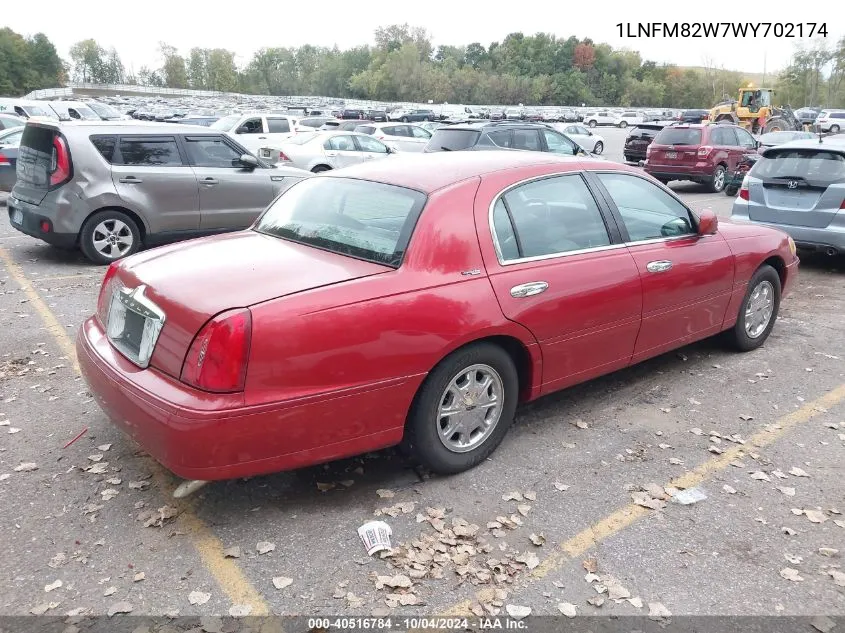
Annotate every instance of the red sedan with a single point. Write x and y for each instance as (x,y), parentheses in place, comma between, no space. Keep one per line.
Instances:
(414,301)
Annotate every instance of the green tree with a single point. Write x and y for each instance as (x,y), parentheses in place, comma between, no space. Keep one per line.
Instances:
(174,72)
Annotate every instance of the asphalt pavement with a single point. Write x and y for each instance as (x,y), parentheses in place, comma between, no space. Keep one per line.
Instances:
(553,521)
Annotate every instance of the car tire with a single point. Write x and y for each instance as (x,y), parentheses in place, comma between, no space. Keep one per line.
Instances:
(120,233)
(834,129)
(764,283)
(731,191)
(623,124)
(424,437)
(716,184)
(592,124)
(317,169)
(404,119)
(598,148)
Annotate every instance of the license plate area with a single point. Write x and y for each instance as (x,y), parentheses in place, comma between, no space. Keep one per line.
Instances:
(134,324)
(17,216)
(671,155)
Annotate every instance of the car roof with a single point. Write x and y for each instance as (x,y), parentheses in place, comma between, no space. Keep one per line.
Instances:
(126,127)
(433,171)
(829,144)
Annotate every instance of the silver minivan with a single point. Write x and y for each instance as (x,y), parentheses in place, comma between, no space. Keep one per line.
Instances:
(112,187)
(799,187)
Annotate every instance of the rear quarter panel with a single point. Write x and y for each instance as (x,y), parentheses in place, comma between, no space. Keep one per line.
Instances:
(386,330)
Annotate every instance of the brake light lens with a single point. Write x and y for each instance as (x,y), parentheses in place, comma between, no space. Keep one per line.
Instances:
(284,157)
(704,151)
(743,190)
(4,160)
(104,299)
(842,206)
(59,163)
(648,151)
(218,357)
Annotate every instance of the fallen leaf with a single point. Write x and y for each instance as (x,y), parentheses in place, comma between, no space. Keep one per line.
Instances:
(104,447)
(517,612)
(716,450)
(325,487)
(791,574)
(675,461)
(139,485)
(380,612)
(240,610)
(524,509)
(596,601)
(353,601)
(746,418)
(760,476)
(823,624)
(580,424)
(792,558)
(838,577)
(797,472)
(280,582)
(696,431)
(119,607)
(529,559)
(139,577)
(198,597)
(512,496)
(828,551)
(815,516)
(561,487)
(636,602)
(385,493)
(615,591)
(53,585)
(568,609)
(114,481)
(788,531)
(789,492)
(264,547)
(530,495)
(537,539)
(110,591)
(232,552)
(657,610)
(399,581)
(109,493)
(645,500)
(42,608)
(590,565)
(26,467)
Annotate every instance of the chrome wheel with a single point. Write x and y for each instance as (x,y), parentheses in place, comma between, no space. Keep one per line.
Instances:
(112,238)
(719,180)
(470,408)
(759,310)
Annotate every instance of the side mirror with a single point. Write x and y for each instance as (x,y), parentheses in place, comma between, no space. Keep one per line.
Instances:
(708,222)
(248,161)
(242,130)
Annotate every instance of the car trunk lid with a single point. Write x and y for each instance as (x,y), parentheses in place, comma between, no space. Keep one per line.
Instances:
(191,285)
(801,187)
(676,145)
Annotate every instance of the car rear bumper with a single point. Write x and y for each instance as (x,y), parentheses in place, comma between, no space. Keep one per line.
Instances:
(31,224)
(699,171)
(808,238)
(204,436)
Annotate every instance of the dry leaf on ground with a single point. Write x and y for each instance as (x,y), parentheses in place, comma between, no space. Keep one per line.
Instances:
(568,609)
(198,597)
(791,574)
(280,582)
(264,547)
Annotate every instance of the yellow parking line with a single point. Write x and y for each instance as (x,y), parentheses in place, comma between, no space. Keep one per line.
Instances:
(66,277)
(225,571)
(631,513)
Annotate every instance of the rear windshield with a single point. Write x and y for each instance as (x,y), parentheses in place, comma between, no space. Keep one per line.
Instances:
(104,110)
(679,136)
(365,129)
(809,164)
(358,218)
(449,140)
(226,122)
(36,157)
(34,110)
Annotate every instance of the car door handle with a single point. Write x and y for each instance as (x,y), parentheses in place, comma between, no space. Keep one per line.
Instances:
(262,137)
(529,289)
(130,180)
(368,157)
(660,266)
(209,181)
(331,154)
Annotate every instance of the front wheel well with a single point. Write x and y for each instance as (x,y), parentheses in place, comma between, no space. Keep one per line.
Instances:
(137,219)
(780,267)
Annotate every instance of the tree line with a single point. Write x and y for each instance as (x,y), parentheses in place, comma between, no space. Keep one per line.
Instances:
(403,65)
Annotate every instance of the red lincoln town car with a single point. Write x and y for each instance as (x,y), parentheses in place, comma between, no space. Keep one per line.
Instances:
(414,301)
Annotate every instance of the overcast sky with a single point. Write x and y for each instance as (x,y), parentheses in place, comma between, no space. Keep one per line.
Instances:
(135,28)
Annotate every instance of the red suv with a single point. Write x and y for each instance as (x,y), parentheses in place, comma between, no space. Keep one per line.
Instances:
(701,153)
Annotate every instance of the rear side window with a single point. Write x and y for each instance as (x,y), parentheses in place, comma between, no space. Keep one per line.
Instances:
(150,152)
(838,115)
(105,145)
(527,139)
(809,164)
(679,136)
(499,138)
(36,156)
(445,139)
(278,126)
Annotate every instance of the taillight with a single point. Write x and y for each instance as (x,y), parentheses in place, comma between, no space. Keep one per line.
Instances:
(842,206)
(59,163)
(218,357)
(743,190)
(704,150)
(380,137)
(284,157)
(104,300)
(648,151)
(4,160)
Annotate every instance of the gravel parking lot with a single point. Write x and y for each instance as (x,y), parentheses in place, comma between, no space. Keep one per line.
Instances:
(91,525)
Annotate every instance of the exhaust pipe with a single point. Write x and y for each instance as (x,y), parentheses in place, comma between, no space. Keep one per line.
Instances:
(831,251)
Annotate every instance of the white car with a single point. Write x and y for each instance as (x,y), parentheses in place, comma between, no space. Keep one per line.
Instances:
(514,114)
(73,111)
(397,114)
(602,117)
(629,118)
(323,151)
(830,121)
(584,137)
(405,137)
(257,130)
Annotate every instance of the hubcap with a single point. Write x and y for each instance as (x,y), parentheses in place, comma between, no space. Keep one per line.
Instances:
(759,310)
(719,179)
(470,408)
(112,238)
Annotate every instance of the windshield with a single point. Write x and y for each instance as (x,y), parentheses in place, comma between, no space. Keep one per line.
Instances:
(104,110)
(678,136)
(226,122)
(446,139)
(810,164)
(33,110)
(358,218)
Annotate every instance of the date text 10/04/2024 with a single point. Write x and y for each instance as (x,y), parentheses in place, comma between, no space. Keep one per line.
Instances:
(414,623)
(722,29)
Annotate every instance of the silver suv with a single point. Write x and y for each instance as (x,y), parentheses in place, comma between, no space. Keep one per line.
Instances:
(109,188)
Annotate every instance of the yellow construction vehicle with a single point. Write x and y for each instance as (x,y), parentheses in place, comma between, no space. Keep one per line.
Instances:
(754,111)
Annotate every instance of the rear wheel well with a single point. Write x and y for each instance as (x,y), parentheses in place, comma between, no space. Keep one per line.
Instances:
(780,267)
(138,221)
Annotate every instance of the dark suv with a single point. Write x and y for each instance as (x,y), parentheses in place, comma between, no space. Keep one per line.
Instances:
(638,140)
(701,153)
(493,135)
